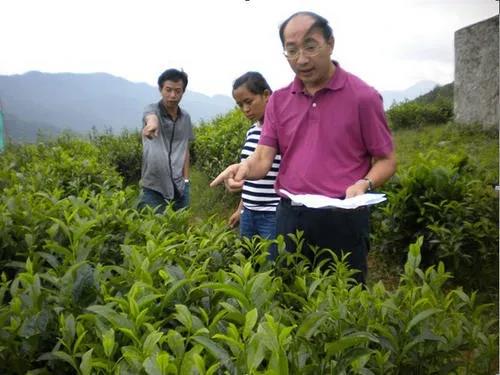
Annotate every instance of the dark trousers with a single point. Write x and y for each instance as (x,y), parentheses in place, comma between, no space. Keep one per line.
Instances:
(336,229)
(156,200)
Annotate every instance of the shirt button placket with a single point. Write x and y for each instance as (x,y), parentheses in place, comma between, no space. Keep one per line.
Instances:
(314,113)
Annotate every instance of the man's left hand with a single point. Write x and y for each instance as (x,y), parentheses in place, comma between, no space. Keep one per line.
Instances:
(359,188)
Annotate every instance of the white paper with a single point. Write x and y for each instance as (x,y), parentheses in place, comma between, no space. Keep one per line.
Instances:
(321,201)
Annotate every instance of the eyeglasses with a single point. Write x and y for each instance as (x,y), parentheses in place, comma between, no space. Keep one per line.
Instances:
(308,50)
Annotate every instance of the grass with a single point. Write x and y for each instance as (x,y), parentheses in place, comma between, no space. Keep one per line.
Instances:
(480,146)
(206,201)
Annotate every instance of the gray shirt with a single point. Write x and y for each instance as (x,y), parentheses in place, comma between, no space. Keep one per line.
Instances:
(163,156)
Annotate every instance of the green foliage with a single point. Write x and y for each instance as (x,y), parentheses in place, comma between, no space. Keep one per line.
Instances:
(45,188)
(218,143)
(480,147)
(91,286)
(446,200)
(123,151)
(66,165)
(207,202)
(415,114)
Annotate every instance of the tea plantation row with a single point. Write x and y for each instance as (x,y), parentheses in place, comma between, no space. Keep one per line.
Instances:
(91,286)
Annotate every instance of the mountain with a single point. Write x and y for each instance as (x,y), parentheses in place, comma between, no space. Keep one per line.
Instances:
(412,92)
(48,103)
(51,102)
(21,131)
(444,92)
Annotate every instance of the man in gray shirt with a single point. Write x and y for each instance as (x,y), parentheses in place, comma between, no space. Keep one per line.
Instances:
(167,131)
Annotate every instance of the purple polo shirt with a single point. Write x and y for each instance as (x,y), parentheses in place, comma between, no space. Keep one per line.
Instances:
(327,140)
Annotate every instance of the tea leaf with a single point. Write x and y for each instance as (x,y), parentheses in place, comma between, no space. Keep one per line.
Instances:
(175,342)
(184,316)
(130,334)
(112,316)
(250,321)
(230,290)
(86,363)
(108,342)
(158,364)
(358,364)
(236,346)
(67,329)
(79,341)
(84,291)
(255,352)
(212,370)
(133,356)
(149,344)
(355,339)
(214,349)
(421,316)
(311,323)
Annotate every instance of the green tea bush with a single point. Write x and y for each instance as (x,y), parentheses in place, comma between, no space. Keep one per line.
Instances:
(123,151)
(218,143)
(38,183)
(413,114)
(444,200)
(67,165)
(190,302)
(100,288)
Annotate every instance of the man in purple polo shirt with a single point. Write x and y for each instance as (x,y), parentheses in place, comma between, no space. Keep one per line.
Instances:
(331,131)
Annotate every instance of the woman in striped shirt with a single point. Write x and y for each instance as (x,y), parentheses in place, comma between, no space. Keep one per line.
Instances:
(256,211)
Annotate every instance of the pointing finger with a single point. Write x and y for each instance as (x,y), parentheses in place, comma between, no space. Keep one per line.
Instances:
(224,175)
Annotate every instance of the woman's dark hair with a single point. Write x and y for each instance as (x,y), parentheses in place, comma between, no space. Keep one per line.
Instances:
(319,23)
(173,75)
(254,82)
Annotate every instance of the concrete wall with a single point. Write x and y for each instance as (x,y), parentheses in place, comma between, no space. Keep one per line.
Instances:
(477,74)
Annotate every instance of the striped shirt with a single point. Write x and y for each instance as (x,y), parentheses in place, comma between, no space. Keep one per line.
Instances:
(259,195)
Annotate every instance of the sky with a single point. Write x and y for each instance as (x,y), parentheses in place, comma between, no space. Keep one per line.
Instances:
(390,44)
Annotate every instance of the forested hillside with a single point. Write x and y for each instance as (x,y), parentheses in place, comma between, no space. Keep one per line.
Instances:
(46,103)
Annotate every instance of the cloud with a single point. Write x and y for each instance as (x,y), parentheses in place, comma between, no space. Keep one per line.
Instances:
(385,42)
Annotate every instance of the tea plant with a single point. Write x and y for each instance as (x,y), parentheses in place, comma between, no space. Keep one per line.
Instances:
(89,285)
(457,215)
(123,151)
(218,143)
